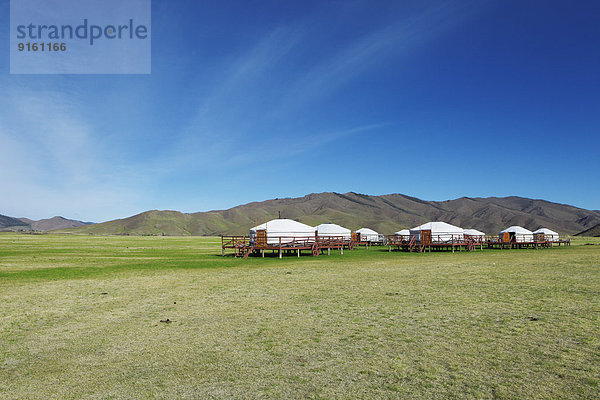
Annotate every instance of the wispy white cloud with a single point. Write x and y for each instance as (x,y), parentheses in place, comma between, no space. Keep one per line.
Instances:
(245,75)
(254,94)
(396,39)
(51,163)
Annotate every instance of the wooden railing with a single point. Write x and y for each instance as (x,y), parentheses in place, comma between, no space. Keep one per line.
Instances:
(477,239)
(231,242)
(398,240)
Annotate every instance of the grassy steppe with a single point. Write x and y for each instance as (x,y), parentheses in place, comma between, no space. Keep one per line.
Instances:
(80,318)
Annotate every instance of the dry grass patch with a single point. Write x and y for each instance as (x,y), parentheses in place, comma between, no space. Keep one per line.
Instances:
(492,324)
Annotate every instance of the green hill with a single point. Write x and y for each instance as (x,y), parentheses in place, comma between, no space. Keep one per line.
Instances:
(386,214)
(592,232)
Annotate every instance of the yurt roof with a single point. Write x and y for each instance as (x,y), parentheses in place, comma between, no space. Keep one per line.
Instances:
(438,227)
(367,231)
(517,229)
(546,231)
(332,228)
(284,225)
(473,232)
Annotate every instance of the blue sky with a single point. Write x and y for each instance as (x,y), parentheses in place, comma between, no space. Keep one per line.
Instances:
(252,100)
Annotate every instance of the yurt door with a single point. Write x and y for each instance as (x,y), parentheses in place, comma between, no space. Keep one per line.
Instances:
(506,237)
(426,237)
(261,238)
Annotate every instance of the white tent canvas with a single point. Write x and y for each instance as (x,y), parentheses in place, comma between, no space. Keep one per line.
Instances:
(329,230)
(473,232)
(549,235)
(403,232)
(286,229)
(368,235)
(441,232)
(517,234)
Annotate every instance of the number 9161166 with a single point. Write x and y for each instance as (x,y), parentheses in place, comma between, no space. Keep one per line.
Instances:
(42,46)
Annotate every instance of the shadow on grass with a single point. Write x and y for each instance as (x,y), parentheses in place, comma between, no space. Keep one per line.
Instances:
(83,272)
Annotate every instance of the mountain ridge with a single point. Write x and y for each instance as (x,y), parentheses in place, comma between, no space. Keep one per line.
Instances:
(43,225)
(594,231)
(384,213)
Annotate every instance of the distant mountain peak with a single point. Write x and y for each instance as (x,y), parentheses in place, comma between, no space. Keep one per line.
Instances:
(49,224)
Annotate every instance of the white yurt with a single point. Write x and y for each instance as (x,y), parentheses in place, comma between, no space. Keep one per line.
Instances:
(474,234)
(441,232)
(517,234)
(549,235)
(284,228)
(368,235)
(329,230)
(403,232)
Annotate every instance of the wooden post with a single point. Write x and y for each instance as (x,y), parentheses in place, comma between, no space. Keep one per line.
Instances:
(298,251)
(262,252)
(342,250)
(328,251)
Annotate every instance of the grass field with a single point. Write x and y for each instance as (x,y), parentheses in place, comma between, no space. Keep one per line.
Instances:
(80,317)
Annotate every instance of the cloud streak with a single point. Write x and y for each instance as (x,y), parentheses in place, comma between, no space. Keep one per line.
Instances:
(397,39)
(52,163)
(255,99)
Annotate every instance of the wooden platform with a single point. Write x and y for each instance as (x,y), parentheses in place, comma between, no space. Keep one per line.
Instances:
(432,243)
(496,242)
(243,246)
(468,243)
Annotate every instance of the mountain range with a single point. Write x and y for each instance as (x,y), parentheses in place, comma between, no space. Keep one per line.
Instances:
(386,214)
(43,225)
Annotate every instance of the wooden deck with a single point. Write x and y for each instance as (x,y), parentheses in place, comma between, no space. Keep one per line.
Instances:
(496,242)
(447,242)
(444,242)
(243,246)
